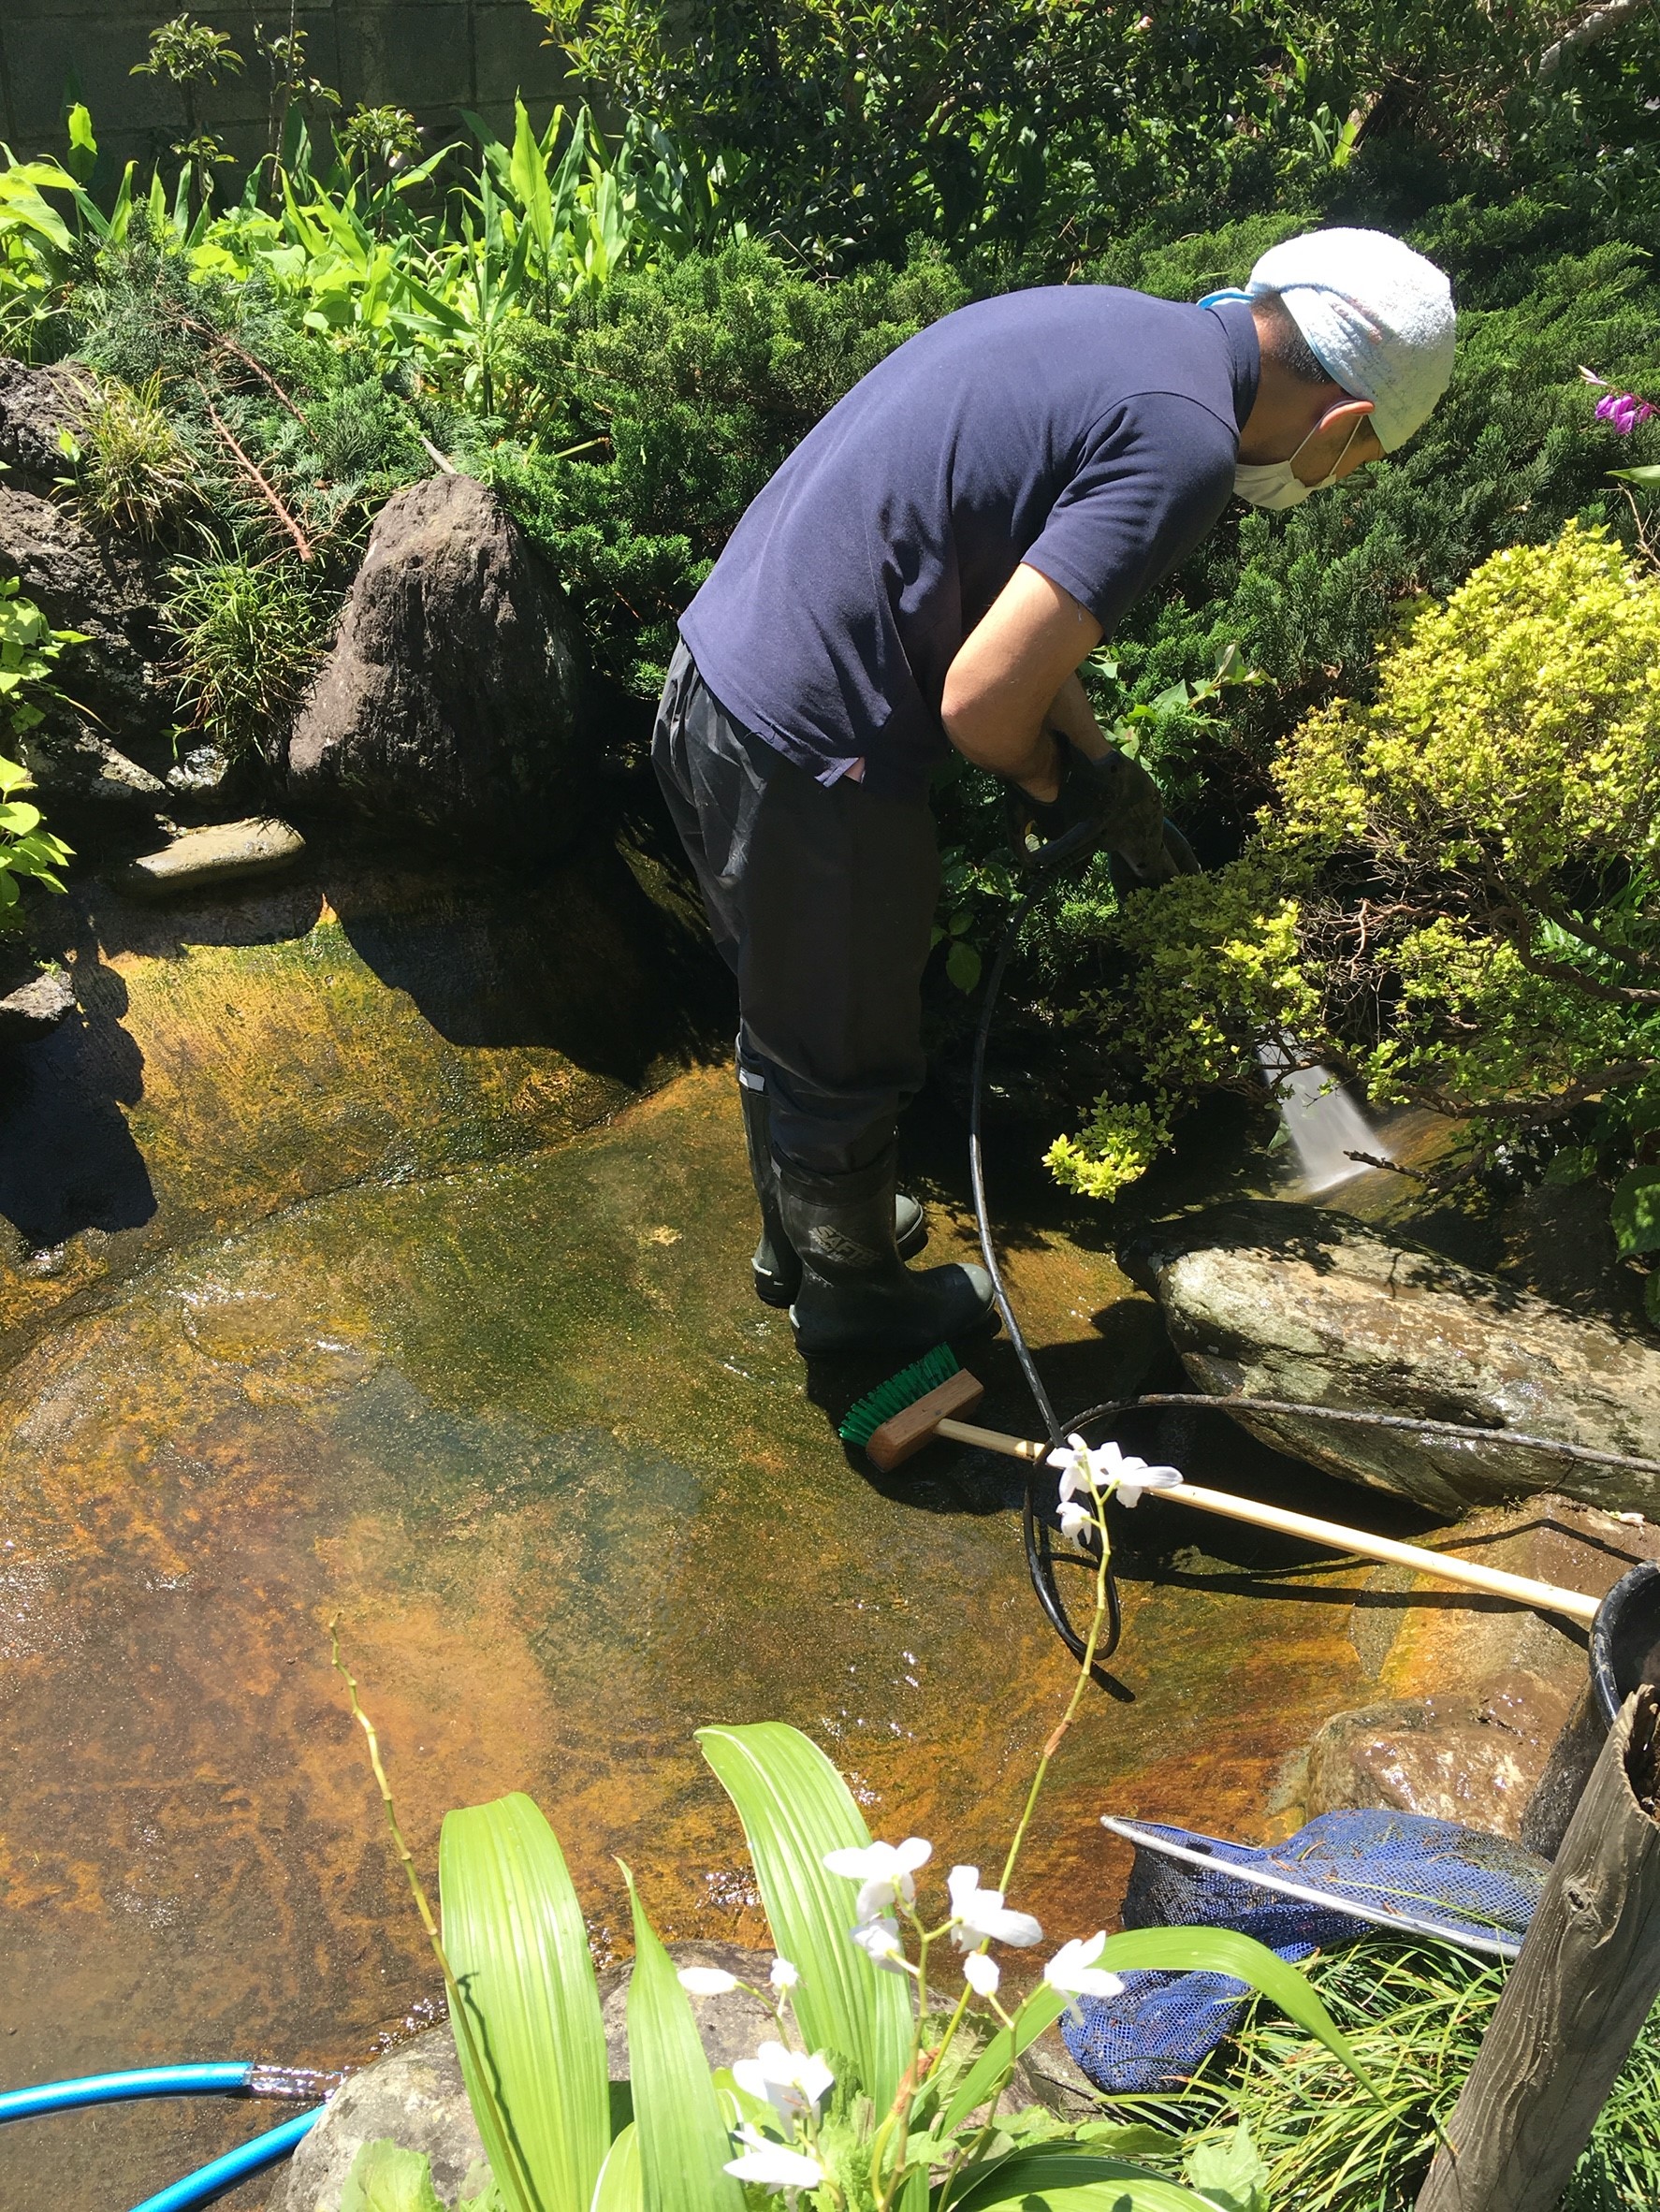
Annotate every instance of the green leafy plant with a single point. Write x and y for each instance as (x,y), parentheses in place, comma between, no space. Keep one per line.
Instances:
(191,57)
(249,636)
(869,2097)
(29,651)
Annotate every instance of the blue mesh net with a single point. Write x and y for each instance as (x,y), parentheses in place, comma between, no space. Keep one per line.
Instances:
(1393,1866)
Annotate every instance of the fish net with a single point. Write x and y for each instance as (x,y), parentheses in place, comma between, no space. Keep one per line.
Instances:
(1393,1869)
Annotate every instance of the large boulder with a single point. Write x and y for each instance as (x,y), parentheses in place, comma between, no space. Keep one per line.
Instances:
(106,592)
(36,406)
(1276,1300)
(452,698)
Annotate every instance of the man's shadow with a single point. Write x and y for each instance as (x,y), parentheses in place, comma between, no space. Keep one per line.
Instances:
(68,1162)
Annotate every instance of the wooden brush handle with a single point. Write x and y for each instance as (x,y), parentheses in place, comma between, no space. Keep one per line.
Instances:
(1330,1534)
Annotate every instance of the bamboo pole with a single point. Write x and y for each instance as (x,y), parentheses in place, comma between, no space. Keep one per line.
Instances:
(1576,1999)
(1466,1574)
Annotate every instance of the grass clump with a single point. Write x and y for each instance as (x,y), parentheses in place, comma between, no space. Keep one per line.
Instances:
(1414,2015)
(249,636)
(135,470)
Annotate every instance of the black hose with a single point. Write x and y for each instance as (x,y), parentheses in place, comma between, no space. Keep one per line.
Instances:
(1036,1532)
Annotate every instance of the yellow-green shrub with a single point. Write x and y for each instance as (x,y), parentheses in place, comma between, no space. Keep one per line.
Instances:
(1455,894)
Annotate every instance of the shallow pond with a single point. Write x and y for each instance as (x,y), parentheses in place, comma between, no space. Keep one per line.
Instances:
(522,1427)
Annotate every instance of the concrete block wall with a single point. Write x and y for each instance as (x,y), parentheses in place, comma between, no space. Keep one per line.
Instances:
(433,57)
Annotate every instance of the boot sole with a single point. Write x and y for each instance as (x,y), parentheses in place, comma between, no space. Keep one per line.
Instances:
(818,1346)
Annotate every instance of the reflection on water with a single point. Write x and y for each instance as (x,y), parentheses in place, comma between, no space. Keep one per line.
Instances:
(525,1431)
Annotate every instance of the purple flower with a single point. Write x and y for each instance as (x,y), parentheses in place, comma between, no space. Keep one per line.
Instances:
(1623,412)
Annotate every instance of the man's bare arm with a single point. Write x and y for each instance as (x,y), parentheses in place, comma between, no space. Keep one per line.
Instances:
(1015,674)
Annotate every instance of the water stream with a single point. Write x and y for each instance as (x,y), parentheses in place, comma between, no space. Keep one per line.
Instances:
(1327,1128)
(521,1426)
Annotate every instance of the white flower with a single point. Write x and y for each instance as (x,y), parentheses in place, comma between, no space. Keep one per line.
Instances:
(1072,1971)
(1074,1519)
(783,1975)
(883,1873)
(774,2165)
(1104,1472)
(980,1973)
(976,1913)
(790,2082)
(880,1942)
(706,1981)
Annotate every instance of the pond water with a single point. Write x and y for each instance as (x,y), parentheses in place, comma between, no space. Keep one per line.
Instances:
(521,1426)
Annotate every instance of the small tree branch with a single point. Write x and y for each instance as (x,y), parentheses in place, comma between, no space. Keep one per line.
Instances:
(1589,30)
(302,543)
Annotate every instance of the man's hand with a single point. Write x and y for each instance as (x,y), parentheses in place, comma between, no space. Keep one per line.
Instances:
(1111,803)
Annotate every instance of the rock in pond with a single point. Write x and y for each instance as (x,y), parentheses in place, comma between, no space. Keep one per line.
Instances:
(1483,1712)
(224,852)
(451,699)
(35,1007)
(415,2094)
(1279,1301)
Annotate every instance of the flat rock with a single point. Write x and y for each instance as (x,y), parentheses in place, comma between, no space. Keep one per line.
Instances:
(451,701)
(71,762)
(36,1008)
(221,853)
(1279,1301)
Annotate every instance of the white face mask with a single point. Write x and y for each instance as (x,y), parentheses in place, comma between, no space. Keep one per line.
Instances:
(1277,484)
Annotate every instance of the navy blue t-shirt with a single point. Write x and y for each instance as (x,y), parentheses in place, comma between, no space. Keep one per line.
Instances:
(1089,431)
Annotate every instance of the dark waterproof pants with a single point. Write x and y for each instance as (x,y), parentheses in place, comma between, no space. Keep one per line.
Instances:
(822,900)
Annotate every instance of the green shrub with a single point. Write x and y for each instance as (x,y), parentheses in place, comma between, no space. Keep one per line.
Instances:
(1454,894)
(664,404)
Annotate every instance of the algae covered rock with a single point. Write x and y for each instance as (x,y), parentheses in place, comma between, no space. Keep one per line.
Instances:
(1276,1300)
(451,701)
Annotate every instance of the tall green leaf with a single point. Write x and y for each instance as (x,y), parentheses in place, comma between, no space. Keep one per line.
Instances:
(683,2140)
(518,1949)
(796,1808)
(1052,2178)
(619,2188)
(1222,1951)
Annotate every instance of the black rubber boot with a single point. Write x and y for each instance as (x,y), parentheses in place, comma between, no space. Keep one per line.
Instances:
(856,1293)
(777,1270)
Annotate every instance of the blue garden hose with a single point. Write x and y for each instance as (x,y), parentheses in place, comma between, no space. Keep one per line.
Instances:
(212,2181)
(116,2088)
(232,2079)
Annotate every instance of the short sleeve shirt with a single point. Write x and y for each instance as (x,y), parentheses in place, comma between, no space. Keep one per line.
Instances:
(1088,432)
